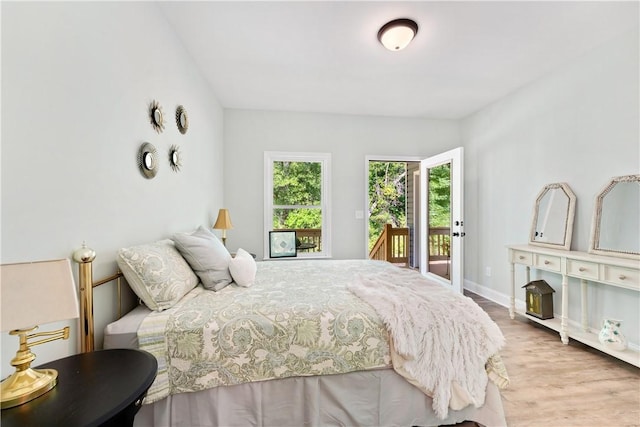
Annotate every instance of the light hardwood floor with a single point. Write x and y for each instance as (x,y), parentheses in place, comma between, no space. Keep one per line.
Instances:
(557,385)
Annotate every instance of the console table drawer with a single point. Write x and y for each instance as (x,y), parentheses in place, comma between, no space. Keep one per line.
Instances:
(583,269)
(621,276)
(547,262)
(521,257)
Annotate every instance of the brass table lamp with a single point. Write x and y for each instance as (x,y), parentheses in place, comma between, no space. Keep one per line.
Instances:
(223,223)
(34,293)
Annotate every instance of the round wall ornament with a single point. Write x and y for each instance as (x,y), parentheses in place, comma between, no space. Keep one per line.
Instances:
(156,116)
(182,120)
(148,160)
(175,158)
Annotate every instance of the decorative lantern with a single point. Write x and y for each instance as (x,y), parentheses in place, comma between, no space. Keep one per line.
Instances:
(539,299)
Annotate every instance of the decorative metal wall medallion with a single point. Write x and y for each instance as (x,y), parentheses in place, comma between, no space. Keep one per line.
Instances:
(148,160)
(156,116)
(175,158)
(182,120)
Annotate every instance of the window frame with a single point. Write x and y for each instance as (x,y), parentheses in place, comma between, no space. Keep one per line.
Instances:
(325,197)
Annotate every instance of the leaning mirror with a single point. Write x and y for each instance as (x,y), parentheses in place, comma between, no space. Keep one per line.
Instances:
(553,215)
(615,229)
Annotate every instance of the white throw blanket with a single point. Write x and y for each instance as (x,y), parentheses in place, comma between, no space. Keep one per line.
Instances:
(441,339)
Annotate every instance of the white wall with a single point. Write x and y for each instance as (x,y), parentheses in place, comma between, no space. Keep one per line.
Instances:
(248,134)
(77,78)
(579,125)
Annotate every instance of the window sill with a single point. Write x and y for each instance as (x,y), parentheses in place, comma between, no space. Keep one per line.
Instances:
(298,258)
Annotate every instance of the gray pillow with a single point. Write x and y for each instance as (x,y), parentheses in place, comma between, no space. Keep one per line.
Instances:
(207,256)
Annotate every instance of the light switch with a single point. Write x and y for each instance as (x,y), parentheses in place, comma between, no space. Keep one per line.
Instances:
(359,214)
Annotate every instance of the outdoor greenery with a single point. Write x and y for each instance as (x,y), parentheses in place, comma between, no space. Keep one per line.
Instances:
(387,197)
(297,195)
(388,193)
(440,196)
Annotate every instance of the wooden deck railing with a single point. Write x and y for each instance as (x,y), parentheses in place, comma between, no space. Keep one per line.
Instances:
(439,243)
(310,238)
(392,246)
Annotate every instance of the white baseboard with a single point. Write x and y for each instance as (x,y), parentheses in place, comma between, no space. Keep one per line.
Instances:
(492,295)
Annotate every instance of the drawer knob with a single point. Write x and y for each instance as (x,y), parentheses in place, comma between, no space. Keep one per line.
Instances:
(622,277)
(546,262)
(521,257)
(582,269)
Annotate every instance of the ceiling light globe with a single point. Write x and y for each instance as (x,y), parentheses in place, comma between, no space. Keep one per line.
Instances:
(397,34)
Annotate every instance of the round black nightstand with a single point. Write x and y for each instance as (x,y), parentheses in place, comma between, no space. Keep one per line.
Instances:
(103,387)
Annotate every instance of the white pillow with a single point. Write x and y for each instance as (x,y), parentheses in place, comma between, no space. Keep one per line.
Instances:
(157,273)
(207,256)
(243,268)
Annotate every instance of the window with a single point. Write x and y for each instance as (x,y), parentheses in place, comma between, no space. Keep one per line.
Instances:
(297,195)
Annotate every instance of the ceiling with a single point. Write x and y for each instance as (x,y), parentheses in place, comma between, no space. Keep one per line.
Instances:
(324,56)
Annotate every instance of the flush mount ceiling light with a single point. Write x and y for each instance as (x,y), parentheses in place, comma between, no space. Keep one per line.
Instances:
(397,34)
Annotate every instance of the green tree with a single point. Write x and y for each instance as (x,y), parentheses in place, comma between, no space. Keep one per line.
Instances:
(440,196)
(387,197)
(297,194)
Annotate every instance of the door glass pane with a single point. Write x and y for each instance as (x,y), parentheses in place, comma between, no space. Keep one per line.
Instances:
(439,237)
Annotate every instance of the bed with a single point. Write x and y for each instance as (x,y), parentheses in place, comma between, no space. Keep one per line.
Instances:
(302,343)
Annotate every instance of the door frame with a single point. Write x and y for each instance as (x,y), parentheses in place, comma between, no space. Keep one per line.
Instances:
(417,226)
(378,158)
(456,158)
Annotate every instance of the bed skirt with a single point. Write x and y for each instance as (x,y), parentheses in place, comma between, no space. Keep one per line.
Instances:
(368,398)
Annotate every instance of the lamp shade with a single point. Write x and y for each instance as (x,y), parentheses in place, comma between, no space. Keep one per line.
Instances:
(224,220)
(397,34)
(35,293)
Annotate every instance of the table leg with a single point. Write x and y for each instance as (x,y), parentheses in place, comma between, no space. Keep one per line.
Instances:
(512,302)
(583,302)
(564,329)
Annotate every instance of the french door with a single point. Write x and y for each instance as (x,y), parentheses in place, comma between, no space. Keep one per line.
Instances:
(441,218)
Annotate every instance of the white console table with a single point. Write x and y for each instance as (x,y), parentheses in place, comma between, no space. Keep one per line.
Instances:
(613,271)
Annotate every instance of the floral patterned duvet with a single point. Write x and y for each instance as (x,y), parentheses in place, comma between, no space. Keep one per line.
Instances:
(298,319)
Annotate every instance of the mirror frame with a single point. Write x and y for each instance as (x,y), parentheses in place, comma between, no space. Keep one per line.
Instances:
(597,216)
(144,152)
(182,120)
(175,158)
(568,232)
(156,116)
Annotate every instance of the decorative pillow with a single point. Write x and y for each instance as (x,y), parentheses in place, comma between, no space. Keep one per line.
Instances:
(243,268)
(157,273)
(207,256)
